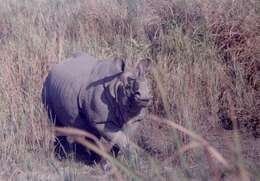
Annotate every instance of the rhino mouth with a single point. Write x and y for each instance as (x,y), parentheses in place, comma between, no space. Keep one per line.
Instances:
(142,101)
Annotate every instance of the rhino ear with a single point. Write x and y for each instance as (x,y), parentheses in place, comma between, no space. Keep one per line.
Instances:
(143,66)
(119,64)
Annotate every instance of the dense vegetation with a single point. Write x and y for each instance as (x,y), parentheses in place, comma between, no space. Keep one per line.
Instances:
(206,78)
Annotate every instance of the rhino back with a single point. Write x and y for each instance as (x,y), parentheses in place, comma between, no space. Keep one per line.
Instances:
(62,86)
(78,83)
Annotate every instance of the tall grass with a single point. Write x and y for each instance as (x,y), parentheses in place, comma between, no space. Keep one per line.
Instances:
(206,78)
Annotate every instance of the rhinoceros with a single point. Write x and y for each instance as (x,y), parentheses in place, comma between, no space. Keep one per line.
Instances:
(98,96)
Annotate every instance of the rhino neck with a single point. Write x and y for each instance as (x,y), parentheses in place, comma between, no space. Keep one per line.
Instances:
(118,118)
(130,113)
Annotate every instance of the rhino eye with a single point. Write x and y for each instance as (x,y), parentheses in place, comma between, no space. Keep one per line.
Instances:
(136,86)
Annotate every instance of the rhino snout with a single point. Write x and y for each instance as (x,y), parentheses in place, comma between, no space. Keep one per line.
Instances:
(143,100)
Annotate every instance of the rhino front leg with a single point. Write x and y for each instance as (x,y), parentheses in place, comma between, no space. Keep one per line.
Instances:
(115,143)
(117,138)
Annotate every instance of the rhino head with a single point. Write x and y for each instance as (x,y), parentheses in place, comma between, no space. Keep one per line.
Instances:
(132,90)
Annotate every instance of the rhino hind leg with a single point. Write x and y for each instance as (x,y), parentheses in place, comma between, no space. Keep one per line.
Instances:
(63,149)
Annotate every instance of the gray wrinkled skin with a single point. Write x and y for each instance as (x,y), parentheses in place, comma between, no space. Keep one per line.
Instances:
(99,96)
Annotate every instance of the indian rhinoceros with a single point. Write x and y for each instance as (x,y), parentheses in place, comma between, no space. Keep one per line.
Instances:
(98,96)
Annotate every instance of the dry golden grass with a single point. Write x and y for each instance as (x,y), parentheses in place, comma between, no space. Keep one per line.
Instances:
(206,78)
